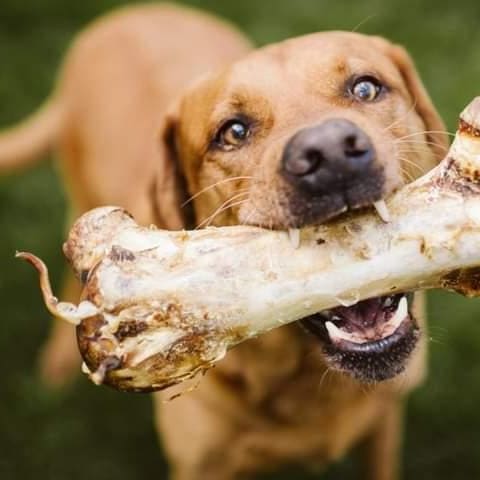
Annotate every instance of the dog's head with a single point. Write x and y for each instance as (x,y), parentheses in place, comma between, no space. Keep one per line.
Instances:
(296,134)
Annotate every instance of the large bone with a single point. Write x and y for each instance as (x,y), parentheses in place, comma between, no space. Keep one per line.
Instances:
(160,306)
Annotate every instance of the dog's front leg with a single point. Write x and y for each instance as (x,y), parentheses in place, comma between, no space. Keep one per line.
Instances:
(199,441)
(381,449)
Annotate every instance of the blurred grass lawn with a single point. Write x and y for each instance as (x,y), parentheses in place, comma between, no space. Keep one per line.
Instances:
(94,433)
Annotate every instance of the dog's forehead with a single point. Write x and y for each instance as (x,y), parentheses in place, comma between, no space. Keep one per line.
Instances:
(316,59)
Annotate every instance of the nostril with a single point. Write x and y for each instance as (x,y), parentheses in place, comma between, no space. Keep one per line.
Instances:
(314,158)
(350,141)
(354,148)
(358,153)
(305,163)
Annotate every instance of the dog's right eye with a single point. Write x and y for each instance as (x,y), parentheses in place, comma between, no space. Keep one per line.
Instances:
(366,88)
(232,134)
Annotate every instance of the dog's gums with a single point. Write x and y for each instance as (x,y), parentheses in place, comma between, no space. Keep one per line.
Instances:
(160,306)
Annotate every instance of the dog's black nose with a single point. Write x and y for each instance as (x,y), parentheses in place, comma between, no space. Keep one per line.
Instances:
(321,159)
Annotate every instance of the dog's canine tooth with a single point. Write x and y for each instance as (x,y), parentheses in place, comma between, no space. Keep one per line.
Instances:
(294,235)
(400,314)
(382,210)
(338,334)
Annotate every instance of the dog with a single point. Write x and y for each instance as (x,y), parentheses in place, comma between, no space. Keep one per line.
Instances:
(173,115)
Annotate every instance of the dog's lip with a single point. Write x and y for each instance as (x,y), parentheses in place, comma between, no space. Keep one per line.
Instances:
(344,208)
(344,329)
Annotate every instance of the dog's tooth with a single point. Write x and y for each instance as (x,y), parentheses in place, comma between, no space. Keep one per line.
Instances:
(400,314)
(382,210)
(338,334)
(294,235)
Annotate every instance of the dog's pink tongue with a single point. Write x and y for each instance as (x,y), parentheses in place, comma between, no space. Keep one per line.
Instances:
(364,315)
(369,320)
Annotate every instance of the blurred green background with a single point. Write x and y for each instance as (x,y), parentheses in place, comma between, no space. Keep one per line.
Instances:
(89,432)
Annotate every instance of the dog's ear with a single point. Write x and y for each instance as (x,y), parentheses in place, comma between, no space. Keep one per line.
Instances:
(169,190)
(423,104)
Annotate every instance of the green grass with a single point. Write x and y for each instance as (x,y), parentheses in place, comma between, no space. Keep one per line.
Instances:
(88,432)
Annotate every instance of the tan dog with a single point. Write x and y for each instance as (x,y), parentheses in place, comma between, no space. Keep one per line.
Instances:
(291,134)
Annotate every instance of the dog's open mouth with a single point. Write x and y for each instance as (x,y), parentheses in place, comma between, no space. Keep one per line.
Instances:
(371,340)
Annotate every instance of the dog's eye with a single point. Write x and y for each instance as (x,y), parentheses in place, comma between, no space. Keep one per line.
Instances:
(232,134)
(366,89)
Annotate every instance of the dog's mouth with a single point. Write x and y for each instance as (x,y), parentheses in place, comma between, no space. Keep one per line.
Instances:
(371,340)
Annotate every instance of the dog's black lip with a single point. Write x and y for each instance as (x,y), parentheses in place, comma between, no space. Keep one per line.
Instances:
(343,209)
(380,365)
(379,346)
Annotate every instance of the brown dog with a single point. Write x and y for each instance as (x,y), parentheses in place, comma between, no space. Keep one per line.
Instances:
(291,134)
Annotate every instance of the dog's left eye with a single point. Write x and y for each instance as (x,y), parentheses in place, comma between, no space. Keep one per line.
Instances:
(232,134)
(366,89)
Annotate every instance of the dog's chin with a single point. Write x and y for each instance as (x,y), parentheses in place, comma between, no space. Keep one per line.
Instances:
(371,340)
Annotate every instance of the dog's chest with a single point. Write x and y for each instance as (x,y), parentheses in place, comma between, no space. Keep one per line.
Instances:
(287,392)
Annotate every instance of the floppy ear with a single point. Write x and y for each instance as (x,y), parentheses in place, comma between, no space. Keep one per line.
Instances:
(423,104)
(169,189)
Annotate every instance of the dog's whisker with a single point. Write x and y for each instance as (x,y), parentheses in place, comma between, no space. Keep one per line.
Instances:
(410,153)
(437,341)
(252,212)
(230,199)
(323,377)
(399,153)
(409,174)
(423,132)
(413,149)
(404,170)
(439,329)
(402,117)
(365,20)
(247,220)
(216,184)
(238,194)
(224,206)
(409,161)
(421,142)
(227,207)
(208,221)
